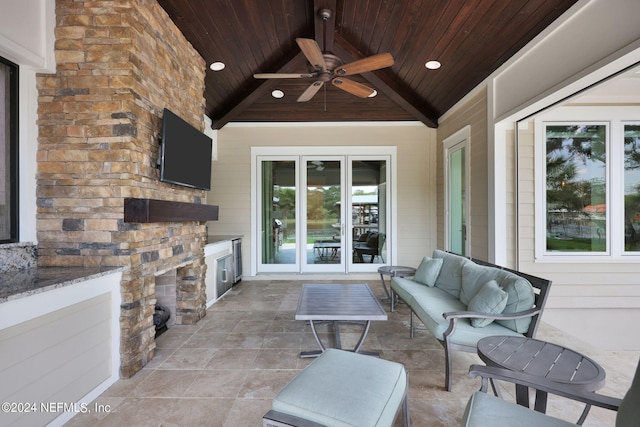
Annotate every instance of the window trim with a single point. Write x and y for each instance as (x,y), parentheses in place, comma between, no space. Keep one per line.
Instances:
(615,118)
(280,152)
(14,172)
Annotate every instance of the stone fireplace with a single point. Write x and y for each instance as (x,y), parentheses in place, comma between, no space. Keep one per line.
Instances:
(119,64)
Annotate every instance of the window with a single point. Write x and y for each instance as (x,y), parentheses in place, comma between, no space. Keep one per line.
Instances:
(8,151)
(590,181)
(576,183)
(632,187)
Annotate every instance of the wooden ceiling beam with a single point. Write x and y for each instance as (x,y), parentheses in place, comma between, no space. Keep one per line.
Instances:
(292,66)
(390,87)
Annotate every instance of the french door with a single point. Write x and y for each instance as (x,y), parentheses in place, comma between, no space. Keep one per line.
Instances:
(323,213)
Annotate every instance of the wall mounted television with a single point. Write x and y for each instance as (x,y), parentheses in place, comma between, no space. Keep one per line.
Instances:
(185,153)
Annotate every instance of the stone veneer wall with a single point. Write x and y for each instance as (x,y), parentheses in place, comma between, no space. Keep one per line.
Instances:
(119,63)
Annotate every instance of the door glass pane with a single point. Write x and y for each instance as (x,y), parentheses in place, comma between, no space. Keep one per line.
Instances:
(323,225)
(278,212)
(576,187)
(457,202)
(632,187)
(368,211)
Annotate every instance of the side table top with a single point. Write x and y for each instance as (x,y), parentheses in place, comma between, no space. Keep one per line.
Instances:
(544,359)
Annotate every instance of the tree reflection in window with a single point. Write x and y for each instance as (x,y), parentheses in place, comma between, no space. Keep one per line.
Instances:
(632,187)
(576,187)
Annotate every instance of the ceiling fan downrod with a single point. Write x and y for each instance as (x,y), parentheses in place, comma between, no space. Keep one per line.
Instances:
(325,15)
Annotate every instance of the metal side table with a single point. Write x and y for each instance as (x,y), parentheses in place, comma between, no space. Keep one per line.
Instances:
(393,271)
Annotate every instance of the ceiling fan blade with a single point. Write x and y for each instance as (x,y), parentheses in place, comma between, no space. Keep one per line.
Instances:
(354,88)
(310,91)
(312,52)
(370,63)
(282,75)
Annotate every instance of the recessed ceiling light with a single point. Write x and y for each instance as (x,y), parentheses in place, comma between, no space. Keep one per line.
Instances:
(433,65)
(277,93)
(217,66)
(374,93)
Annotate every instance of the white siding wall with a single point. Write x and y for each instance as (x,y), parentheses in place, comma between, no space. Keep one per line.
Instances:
(231,172)
(595,300)
(61,345)
(472,113)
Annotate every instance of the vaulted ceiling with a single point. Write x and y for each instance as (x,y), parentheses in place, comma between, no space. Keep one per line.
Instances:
(470,38)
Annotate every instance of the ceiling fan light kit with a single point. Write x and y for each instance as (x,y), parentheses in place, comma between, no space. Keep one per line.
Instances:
(326,67)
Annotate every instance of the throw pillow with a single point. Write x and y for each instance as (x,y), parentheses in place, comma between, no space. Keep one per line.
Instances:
(490,299)
(428,270)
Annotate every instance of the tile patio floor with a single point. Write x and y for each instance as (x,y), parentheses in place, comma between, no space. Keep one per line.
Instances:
(224,370)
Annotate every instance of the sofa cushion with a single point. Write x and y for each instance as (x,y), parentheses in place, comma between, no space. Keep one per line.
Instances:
(450,277)
(429,304)
(521,298)
(519,291)
(342,388)
(428,271)
(474,276)
(465,334)
(484,410)
(408,290)
(490,299)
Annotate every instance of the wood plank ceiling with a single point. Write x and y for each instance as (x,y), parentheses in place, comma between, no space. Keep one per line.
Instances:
(471,38)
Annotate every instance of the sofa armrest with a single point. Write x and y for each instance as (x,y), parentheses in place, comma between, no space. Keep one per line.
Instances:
(453,317)
(475,314)
(542,384)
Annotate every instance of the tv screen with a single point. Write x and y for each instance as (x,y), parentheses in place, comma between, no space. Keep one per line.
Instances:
(185,154)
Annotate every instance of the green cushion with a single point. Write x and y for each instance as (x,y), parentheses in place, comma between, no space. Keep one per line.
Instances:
(465,334)
(429,309)
(490,299)
(342,388)
(519,291)
(428,271)
(484,410)
(450,277)
(474,276)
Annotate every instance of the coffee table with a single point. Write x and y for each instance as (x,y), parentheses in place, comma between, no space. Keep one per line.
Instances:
(540,358)
(327,250)
(338,303)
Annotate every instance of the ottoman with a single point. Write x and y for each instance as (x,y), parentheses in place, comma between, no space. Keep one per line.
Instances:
(342,388)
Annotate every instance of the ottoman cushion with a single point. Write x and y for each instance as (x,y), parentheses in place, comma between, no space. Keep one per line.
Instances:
(342,388)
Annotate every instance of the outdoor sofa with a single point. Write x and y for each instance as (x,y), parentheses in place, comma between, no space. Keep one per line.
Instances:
(461,300)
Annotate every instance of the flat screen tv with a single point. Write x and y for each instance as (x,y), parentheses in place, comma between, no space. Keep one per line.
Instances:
(185,153)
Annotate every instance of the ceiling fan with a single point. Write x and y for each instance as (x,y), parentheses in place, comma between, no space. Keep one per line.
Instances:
(326,67)
(316,164)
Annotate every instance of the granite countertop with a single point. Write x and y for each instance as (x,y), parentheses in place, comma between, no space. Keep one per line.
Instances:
(23,283)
